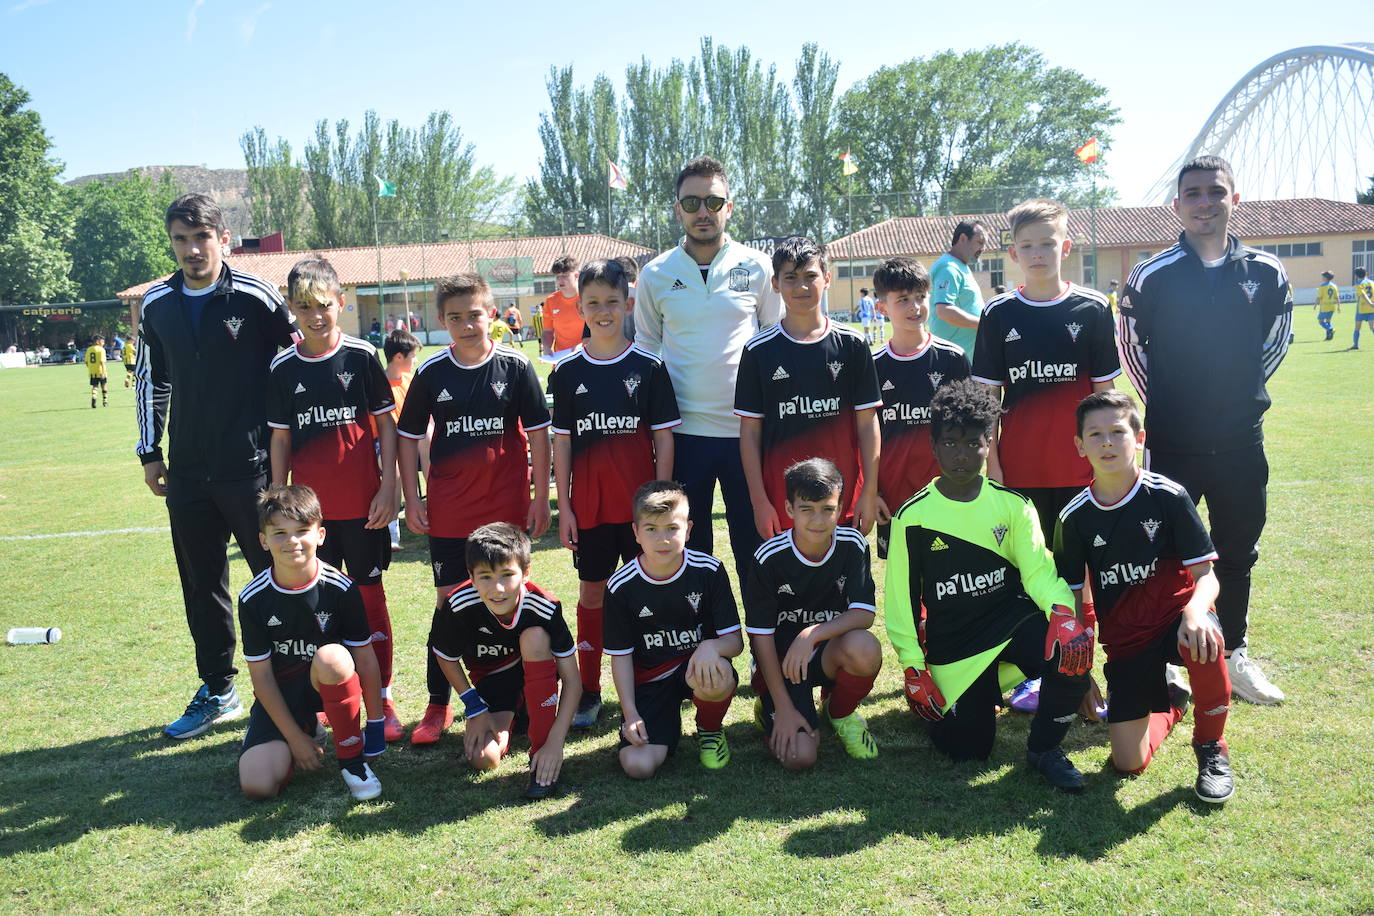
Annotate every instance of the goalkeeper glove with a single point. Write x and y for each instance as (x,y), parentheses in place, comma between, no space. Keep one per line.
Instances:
(1073,640)
(923,696)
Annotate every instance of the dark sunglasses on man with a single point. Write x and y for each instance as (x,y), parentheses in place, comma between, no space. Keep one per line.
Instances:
(691,203)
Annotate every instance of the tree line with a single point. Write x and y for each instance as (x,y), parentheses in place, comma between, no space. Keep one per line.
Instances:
(965,131)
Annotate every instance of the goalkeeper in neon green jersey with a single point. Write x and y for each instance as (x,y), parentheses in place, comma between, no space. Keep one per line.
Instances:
(971,585)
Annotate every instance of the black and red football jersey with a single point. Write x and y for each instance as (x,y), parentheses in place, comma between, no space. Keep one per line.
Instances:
(610,408)
(287,625)
(806,394)
(785,593)
(1137,552)
(1045,356)
(907,383)
(327,402)
(662,621)
(464,629)
(478,466)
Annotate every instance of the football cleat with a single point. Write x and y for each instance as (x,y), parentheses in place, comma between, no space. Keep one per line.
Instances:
(715,750)
(1057,769)
(361,781)
(1215,784)
(588,710)
(432,724)
(393,729)
(1248,681)
(853,733)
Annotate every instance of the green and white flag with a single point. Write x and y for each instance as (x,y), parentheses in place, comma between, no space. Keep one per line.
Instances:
(385,188)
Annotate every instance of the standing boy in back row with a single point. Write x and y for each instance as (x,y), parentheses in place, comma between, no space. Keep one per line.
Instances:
(489,414)
(613,416)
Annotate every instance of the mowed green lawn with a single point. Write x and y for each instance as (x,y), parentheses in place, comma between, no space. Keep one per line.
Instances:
(98,812)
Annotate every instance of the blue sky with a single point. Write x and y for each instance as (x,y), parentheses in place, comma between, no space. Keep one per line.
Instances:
(161,82)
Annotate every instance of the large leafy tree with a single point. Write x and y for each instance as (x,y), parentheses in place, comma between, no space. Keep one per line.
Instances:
(35,222)
(118,236)
(972,131)
(276,188)
(580,135)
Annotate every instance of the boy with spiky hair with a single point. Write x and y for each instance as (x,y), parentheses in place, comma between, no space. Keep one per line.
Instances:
(807,388)
(561,316)
(613,415)
(910,368)
(1044,346)
(808,610)
(308,646)
(672,627)
(967,562)
(510,635)
(489,414)
(1138,536)
(330,409)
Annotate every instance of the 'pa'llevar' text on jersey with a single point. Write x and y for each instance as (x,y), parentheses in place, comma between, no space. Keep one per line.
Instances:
(479,470)
(806,394)
(979,568)
(465,629)
(660,622)
(1045,356)
(287,625)
(1137,553)
(907,383)
(784,592)
(610,409)
(327,403)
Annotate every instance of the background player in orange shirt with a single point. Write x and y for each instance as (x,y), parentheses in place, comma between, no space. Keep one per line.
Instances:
(562,321)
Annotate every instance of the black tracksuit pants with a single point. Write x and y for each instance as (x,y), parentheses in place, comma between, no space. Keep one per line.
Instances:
(203,514)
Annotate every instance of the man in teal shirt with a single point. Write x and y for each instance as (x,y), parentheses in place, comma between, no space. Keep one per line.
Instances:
(957,302)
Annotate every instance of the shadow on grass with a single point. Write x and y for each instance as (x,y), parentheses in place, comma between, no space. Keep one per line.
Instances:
(908,790)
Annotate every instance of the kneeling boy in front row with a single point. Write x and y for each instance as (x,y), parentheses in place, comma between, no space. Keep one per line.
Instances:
(970,550)
(294,615)
(1140,538)
(671,629)
(808,608)
(513,639)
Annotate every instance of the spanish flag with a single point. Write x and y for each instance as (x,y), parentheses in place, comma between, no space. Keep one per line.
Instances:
(1089,151)
(851,163)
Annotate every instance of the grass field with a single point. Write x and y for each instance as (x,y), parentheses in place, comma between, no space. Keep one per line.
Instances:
(99,813)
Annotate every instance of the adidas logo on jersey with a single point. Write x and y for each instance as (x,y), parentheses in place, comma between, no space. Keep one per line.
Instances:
(484,630)
(786,589)
(443,395)
(645,612)
(375,572)
(888,386)
(1098,542)
(273,621)
(938,544)
(581,389)
(1012,335)
(780,374)
(300,389)
(677,284)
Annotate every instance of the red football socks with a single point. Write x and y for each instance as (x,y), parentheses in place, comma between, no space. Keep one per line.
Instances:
(1211,697)
(341,705)
(590,642)
(541,699)
(711,713)
(374,602)
(849,690)
(1161,723)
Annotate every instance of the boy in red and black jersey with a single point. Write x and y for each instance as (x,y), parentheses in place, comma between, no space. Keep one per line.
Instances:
(912,365)
(488,409)
(510,635)
(808,609)
(1046,345)
(807,388)
(308,645)
(1140,539)
(672,627)
(613,415)
(324,396)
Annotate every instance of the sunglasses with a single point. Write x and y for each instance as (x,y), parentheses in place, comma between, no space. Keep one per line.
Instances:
(691,203)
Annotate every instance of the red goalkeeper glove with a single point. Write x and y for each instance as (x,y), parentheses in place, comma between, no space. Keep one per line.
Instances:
(923,696)
(1074,641)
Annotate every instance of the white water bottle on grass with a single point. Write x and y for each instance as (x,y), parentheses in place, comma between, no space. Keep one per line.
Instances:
(19,636)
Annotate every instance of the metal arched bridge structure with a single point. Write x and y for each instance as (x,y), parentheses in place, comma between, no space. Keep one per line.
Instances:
(1297,125)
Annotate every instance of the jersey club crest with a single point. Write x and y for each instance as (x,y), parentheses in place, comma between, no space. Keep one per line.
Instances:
(694,599)
(1151,526)
(835,368)
(935,378)
(1073,328)
(632,385)
(345,379)
(1249,287)
(498,389)
(232,325)
(999,532)
(322,618)
(738,279)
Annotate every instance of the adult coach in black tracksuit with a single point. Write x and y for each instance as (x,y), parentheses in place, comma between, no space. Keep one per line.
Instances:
(1202,327)
(206,337)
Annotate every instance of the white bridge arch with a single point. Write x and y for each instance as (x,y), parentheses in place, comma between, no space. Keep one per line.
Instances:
(1297,125)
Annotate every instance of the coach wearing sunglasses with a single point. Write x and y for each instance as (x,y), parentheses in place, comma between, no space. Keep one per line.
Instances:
(697,305)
